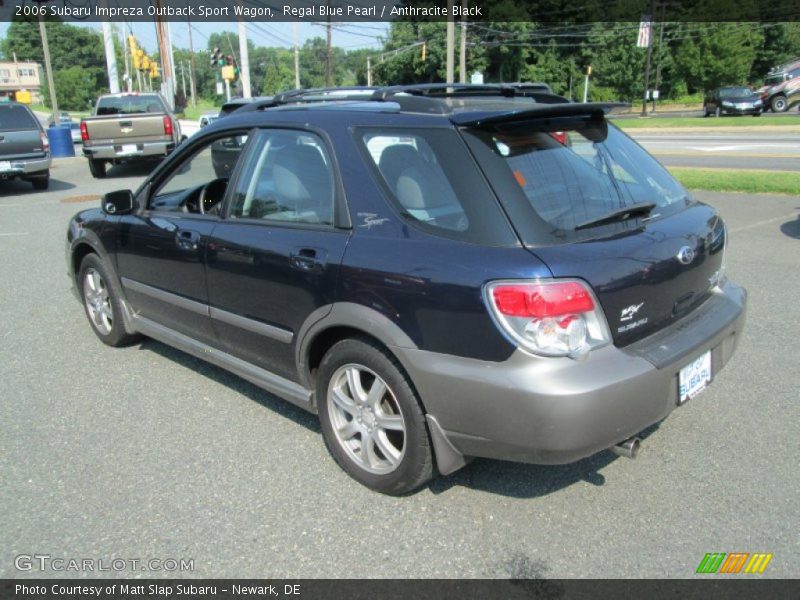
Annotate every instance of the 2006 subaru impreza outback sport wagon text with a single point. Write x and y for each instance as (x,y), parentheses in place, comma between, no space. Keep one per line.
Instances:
(438,273)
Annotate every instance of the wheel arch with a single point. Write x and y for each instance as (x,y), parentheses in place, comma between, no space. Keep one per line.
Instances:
(332,323)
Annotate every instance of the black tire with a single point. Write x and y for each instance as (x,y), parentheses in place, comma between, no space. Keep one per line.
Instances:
(97,168)
(111,332)
(41,183)
(779,104)
(414,465)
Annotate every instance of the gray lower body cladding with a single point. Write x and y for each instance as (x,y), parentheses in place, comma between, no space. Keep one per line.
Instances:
(559,410)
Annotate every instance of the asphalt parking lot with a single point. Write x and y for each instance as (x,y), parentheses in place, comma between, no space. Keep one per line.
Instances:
(145,452)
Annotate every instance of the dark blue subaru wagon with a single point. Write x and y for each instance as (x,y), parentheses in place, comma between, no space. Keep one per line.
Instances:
(438,273)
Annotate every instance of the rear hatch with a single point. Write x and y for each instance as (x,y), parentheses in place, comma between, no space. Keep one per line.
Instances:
(592,204)
(20,133)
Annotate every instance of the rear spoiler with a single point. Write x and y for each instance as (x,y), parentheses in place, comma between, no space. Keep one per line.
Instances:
(542,111)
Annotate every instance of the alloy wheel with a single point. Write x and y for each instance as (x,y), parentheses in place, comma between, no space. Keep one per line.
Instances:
(98,302)
(366,418)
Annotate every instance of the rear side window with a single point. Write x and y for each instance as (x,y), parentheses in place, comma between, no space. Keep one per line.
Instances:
(435,184)
(129,105)
(14,117)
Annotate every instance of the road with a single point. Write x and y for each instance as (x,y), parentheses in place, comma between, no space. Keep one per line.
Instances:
(145,452)
(752,150)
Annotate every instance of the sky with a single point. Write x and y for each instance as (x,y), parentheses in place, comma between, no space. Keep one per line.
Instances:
(349,36)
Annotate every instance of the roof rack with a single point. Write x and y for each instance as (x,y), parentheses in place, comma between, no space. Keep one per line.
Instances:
(435,98)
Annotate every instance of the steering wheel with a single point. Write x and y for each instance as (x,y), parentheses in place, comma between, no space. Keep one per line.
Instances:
(211,194)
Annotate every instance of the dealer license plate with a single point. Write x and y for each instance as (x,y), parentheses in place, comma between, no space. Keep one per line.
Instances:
(694,377)
(5,165)
(128,149)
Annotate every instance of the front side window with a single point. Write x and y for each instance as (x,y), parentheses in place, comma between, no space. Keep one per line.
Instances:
(289,179)
(198,184)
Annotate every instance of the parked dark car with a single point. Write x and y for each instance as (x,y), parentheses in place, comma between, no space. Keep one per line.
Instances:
(429,271)
(732,101)
(24,147)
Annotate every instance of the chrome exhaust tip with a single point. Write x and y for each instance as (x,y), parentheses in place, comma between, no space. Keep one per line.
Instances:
(629,448)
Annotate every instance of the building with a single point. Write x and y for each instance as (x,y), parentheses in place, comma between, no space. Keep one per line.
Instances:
(16,77)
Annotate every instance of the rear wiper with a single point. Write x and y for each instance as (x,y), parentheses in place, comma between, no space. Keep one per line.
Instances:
(641,209)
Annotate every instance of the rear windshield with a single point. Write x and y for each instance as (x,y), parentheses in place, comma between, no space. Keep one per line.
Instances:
(129,105)
(14,117)
(557,177)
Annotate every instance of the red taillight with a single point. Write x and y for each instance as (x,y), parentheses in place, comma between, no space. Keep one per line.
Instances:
(559,136)
(45,141)
(84,131)
(167,125)
(542,300)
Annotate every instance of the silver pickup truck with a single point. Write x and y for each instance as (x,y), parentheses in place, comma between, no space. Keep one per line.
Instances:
(128,127)
(24,148)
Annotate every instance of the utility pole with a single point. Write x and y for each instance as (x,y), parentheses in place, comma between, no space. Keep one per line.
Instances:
(296,58)
(369,71)
(462,59)
(647,60)
(111,58)
(658,57)
(328,53)
(167,62)
(50,83)
(451,38)
(192,69)
(586,84)
(183,80)
(244,59)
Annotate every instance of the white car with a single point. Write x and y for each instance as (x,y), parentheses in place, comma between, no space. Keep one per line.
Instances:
(208,118)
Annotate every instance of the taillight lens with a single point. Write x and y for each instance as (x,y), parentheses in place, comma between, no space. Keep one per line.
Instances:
(45,141)
(84,132)
(560,137)
(550,318)
(167,125)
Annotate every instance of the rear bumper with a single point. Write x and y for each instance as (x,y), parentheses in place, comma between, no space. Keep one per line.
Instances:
(559,410)
(116,152)
(26,167)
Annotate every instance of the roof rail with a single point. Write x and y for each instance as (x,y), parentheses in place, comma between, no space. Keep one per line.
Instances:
(427,97)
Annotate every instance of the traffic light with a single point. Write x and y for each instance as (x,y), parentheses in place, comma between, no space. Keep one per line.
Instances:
(154,69)
(146,63)
(216,58)
(137,59)
(424,50)
(132,45)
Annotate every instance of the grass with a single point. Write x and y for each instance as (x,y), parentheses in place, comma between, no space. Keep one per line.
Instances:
(730,180)
(203,106)
(744,121)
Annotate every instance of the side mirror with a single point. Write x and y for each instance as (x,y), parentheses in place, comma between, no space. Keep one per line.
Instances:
(118,203)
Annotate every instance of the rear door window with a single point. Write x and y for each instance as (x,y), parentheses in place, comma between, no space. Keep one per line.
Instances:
(14,117)
(435,185)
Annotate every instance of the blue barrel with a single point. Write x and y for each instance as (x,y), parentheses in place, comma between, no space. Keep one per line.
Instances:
(60,141)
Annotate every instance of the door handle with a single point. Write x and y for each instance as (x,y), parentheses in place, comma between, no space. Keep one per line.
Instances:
(186,239)
(307,259)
